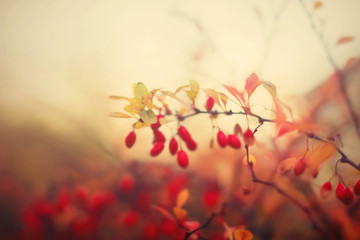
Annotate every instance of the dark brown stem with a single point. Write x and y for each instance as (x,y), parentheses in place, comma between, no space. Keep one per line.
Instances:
(305,209)
(206,223)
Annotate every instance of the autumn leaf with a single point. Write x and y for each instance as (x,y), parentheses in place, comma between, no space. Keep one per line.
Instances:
(148,116)
(182,197)
(139,89)
(118,98)
(345,39)
(214,94)
(139,125)
(235,93)
(252,83)
(242,234)
(270,87)
(318,4)
(179,213)
(223,99)
(181,88)
(285,165)
(119,115)
(320,155)
(163,212)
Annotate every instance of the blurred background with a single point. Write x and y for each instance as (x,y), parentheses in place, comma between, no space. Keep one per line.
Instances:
(60,60)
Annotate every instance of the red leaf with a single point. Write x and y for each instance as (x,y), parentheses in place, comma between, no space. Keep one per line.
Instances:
(345,39)
(252,83)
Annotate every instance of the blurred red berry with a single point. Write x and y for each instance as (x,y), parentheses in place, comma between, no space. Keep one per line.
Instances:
(127,183)
(234,141)
(210,198)
(209,104)
(130,139)
(81,194)
(150,231)
(157,149)
(299,167)
(131,218)
(182,159)
(325,190)
(159,136)
(63,200)
(222,139)
(184,133)
(357,187)
(191,144)
(45,208)
(340,191)
(173,146)
(249,137)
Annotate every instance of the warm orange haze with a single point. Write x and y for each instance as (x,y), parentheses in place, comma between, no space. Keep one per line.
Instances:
(213,120)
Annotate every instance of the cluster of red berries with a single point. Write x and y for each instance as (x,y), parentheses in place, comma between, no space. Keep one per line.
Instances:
(233,140)
(344,194)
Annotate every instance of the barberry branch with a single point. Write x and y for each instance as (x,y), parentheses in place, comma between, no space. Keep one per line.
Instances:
(340,74)
(207,222)
(305,209)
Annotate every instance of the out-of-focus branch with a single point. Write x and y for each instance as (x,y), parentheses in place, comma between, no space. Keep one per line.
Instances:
(340,74)
(207,222)
(305,209)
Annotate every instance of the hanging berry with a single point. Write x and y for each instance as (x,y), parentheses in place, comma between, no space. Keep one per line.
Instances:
(130,139)
(182,159)
(234,141)
(173,146)
(222,139)
(209,104)
(157,148)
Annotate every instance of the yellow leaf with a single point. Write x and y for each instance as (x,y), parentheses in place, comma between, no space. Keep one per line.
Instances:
(192,95)
(194,86)
(320,155)
(242,234)
(223,98)
(119,115)
(182,197)
(168,93)
(345,39)
(285,165)
(179,213)
(214,94)
(139,89)
(270,87)
(181,88)
(148,116)
(138,125)
(251,159)
(181,111)
(130,109)
(118,98)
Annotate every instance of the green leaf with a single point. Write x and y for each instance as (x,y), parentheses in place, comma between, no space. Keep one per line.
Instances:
(139,89)
(148,116)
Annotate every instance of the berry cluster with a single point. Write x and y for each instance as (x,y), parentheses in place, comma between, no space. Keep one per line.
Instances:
(344,194)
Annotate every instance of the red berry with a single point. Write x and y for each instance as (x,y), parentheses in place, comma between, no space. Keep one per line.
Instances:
(249,137)
(81,194)
(184,133)
(130,139)
(234,141)
(131,218)
(211,198)
(325,190)
(191,144)
(340,191)
(349,196)
(357,188)
(45,208)
(173,146)
(209,104)
(182,159)
(299,167)
(222,139)
(157,149)
(63,200)
(158,136)
(150,231)
(127,183)
(156,125)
